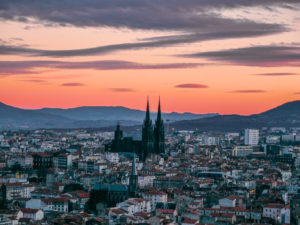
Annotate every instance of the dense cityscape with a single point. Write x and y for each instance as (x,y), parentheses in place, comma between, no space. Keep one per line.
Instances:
(87,176)
(149,112)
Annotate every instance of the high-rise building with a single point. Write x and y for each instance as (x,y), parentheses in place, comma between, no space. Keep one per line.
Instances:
(251,137)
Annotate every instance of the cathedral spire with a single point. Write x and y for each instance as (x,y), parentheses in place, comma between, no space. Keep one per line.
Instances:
(133,180)
(147,110)
(147,134)
(118,133)
(159,111)
(159,133)
(133,167)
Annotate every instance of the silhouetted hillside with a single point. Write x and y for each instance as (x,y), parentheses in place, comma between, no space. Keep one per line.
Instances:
(286,115)
(80,117)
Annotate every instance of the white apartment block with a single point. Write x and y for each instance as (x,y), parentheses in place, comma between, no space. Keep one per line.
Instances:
(135,205)
(18,190)
(277,212)
(155,197)
(23,161)
(242,151)
(34,214)
(251,136)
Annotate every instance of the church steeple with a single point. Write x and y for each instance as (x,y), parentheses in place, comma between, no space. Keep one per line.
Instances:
(147,134)
(147,127)
(118,133)
(133,180)
(147,118)
(159,133)
(159,111)
(133,168)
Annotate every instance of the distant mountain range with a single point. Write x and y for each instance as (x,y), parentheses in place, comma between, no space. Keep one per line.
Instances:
(286,115)
(106,117)
(80,117)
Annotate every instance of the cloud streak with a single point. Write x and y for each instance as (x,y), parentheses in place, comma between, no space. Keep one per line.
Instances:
(72,84)
(248,91)
(191,85)
(240,29)
(132,14)
(262,56)
(276,74)
(34,81)
(122,89)
(193,18)
(31,67)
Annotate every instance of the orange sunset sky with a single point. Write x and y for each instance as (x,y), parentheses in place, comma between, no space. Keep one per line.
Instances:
(228,56)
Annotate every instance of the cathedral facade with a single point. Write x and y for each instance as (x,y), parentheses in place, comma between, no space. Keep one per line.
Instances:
(153,138)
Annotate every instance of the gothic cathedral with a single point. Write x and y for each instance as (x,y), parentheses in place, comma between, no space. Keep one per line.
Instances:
(153,138)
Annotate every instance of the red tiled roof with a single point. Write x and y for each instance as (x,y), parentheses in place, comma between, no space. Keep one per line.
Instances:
(167,211)
(83,195)
(55,200)
(27,210)
(12,184)
(222,214)
(118,211)
(232,197)
(190,221)
(155,193)
(273,205)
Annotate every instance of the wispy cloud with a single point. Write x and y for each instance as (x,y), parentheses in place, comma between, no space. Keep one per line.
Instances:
(195,20)
(191,85)
(276,74)
(31,67)
(34,81)
(263,56)
(132,14)
(243,29)
(122,89)
(72,84)
(248,91)
(297,93)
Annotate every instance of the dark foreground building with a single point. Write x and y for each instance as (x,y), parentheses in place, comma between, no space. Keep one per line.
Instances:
(153,139)
(111,194)
(107,194)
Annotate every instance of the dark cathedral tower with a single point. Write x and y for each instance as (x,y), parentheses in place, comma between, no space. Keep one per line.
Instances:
(159,133)
(133,180)
(118,133)
(147,134)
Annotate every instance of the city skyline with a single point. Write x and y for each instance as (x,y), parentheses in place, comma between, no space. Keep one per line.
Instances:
(232,57)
